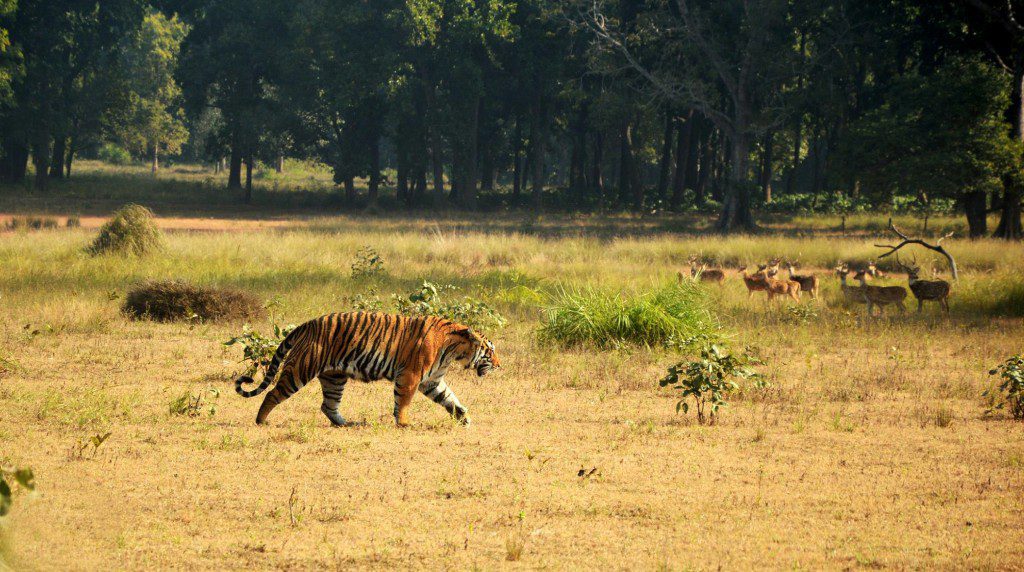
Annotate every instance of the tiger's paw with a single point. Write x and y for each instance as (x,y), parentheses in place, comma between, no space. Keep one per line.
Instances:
(462,418)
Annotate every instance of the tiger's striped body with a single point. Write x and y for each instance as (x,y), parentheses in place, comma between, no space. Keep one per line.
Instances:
(413,352)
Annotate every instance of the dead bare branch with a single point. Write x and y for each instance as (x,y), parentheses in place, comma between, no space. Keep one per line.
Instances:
(906,240)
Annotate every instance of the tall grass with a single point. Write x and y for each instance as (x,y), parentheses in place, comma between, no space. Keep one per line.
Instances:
(591,316)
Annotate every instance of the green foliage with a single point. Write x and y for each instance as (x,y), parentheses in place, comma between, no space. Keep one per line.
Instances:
(152,121)
(114,154)
(605,319)
(258,350)
(131,230)
(709,379)
(1011,386)
(190,404)
(429,300)
(20,477)
(943,134)
(367,263)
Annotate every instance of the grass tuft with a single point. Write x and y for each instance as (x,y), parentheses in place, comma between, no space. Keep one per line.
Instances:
(171,300)
(131,230)
(589,316)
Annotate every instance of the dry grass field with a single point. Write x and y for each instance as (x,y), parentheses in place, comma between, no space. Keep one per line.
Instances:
(870,448)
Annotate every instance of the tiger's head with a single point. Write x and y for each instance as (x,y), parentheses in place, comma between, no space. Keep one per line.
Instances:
(475,351)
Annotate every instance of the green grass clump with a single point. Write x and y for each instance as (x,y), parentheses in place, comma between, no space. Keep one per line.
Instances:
(590,316)
(131,230)
(170,300)
(31,223)
(1000,295)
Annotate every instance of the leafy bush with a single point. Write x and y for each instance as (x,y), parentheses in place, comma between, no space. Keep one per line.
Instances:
(367,264)
(1011,388)
(21,477)
(114,154)
(709,379)
(258,350)
(131,230)
(74,221)
(170,300)
(429,301)
(605,319)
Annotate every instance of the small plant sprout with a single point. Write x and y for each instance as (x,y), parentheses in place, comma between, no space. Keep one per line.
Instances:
(19,477)
(429,301)
(709,379)
(194,405)
(1011,387)
(367,263)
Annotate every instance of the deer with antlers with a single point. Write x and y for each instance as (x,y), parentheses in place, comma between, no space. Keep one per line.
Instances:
(925,290)
(761,281)
(808,282)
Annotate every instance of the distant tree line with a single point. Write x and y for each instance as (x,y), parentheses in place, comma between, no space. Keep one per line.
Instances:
(733,106)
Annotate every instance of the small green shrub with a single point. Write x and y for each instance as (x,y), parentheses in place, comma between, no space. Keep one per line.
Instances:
(1011,387)
(258,349)
(31,223)
(131,230)
(429,301)
(191,404)
(367,263)
(369,302)
(10,475)
(73,221)
(709,379)
(114,154)
(170,300)
(604,319)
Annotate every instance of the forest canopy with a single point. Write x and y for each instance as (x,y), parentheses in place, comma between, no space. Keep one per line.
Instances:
(725,106)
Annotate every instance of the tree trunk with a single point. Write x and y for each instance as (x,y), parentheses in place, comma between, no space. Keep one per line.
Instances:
(706,152)
(736,214)
(235,169)
(248,178)
(402,181)
(350,189)
(766,168)
(537,158)
(1009,227)
(464,164)
(625,162)
(72,149)
(683,135)
(976,209)
(596,174)
(59,157)
(14,163)
(41,161)
(665,165)
(373,183)
(433,137)
(156,158)
(279,166)
(517,162)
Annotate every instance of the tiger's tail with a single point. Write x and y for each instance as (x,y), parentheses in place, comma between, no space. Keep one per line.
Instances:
(275,364)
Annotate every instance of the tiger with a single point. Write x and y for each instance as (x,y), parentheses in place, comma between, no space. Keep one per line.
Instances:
(413,352)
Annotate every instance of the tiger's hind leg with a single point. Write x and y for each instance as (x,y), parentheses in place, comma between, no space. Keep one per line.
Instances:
(333,386)
(439,392)
(287,385)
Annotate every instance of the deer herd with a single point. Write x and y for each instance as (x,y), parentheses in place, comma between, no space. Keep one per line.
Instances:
(767,279)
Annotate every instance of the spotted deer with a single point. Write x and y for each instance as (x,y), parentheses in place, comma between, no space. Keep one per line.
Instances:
(808,282)
(777,287)
(756,282)
(882,296)
(704,274)
(926,290)
(853,294)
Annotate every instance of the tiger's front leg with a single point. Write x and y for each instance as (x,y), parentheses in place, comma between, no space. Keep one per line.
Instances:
(405,388)
(439,392)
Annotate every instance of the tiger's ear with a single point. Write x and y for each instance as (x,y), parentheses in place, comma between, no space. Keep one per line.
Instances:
(465,333)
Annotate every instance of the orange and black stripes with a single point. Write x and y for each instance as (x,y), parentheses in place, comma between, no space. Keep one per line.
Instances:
(413,352)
